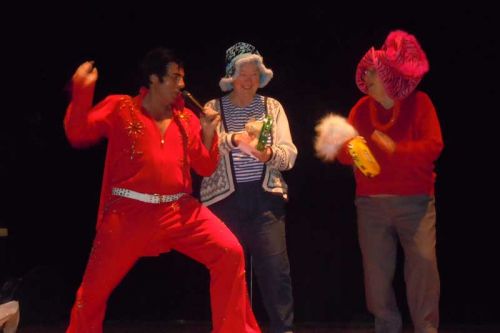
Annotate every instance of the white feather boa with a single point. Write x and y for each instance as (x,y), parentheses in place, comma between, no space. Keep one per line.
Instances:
(332,132)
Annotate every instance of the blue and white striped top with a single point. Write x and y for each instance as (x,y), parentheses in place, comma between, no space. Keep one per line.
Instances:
(246,168)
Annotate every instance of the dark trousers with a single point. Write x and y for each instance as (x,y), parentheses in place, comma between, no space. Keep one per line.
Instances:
(257,218)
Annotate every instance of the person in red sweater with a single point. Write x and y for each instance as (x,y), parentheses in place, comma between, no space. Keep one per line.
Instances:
(401,130)
(146,207)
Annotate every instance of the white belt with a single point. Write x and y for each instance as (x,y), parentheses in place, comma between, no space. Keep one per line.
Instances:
(144,197)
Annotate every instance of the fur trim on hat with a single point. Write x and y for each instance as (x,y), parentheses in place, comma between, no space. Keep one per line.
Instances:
(332,132)
(226,83)
(400,63)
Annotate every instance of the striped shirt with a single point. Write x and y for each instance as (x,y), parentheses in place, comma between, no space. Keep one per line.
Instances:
(246,168)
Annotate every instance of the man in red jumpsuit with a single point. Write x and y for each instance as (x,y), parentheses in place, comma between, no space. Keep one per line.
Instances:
(146,207)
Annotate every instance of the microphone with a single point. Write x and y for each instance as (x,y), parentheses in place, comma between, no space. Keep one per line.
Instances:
(192,99)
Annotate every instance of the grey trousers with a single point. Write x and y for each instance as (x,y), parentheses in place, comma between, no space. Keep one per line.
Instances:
(411,220)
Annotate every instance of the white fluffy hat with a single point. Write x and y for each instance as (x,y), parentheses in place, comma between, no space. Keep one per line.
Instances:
(238,54)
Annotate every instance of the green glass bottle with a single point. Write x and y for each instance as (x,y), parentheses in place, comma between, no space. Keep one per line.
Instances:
(265,133)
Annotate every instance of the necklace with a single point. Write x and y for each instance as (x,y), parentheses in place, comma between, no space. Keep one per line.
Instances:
(374,116)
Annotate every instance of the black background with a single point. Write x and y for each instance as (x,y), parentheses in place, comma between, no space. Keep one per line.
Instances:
(50,191)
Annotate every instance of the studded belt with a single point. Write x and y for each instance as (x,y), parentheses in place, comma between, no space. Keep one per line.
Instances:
(144,197)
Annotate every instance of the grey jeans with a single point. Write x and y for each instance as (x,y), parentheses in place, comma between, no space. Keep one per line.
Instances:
(411,220)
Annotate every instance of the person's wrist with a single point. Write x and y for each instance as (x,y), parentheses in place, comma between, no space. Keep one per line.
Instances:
(233,140)
(269,153)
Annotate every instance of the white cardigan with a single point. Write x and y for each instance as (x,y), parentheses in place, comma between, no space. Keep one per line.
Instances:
(221,183)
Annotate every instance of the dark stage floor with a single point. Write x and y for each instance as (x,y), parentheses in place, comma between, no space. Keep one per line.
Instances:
(185,327)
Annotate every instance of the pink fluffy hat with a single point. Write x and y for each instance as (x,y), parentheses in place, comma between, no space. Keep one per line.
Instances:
(400,63)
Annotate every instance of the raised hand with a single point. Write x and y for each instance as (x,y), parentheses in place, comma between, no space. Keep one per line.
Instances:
(209,120)
(85,75)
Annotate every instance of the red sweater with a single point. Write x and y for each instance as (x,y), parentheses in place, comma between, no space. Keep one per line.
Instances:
(138,157)
(417,134)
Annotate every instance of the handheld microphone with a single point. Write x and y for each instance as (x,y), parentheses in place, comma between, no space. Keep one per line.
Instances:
(192,99)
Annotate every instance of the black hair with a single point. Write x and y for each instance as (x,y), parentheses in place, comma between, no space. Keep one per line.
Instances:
(156,62)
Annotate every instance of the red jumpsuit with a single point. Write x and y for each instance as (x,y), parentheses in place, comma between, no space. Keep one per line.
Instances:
(140,159)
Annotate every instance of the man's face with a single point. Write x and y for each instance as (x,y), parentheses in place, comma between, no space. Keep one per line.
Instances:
(171,84)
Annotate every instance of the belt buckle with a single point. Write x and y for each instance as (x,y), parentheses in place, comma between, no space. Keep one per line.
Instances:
(156,198)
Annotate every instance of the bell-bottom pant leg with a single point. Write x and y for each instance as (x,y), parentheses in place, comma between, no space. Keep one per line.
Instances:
(119,242)
(203,237)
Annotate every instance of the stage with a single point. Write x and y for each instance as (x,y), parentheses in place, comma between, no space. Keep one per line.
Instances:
(197,327)
(314,50)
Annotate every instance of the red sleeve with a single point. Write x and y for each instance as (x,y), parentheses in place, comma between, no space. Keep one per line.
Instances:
(83,124)
(427,142)
(343,156)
